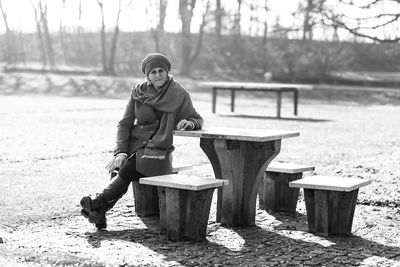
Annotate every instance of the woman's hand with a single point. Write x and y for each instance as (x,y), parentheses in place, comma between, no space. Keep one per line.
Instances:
(120,160)
(185,125)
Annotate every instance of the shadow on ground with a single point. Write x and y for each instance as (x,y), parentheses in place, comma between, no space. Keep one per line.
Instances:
(303,119)
(255,246)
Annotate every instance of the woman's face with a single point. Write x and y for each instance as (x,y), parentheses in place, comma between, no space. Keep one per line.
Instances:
(158,77)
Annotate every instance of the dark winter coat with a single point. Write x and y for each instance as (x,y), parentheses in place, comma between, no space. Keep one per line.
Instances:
(142,125)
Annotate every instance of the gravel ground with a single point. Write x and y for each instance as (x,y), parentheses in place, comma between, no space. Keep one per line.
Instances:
(54,148)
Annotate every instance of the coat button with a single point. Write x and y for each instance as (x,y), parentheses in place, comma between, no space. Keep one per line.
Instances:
(151,132)
(141,126)
(144,142)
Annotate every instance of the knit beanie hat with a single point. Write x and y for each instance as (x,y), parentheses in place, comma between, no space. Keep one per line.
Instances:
(155,60)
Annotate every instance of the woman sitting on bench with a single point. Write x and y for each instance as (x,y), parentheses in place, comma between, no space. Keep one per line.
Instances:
(144,144)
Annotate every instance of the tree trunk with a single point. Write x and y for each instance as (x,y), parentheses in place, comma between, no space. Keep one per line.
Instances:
(196,53)
(265,66)
(218,20)
(236,23)
(163,14)
(252,16)
(40,37)
(308,23)
(47,38)
(61,31)
(161,24)
(22,56)
(186,14)
(9,49)
(158,33)
(79,39)
(113,51)
(103,39)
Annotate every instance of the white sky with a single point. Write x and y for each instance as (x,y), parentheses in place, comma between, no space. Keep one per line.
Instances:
(141,16)
(21,14)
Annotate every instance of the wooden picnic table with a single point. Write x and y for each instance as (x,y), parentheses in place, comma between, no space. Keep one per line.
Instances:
(279,88)
(240,156)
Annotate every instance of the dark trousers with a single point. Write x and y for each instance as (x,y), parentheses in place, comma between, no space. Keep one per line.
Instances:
(119,186)
(128,171)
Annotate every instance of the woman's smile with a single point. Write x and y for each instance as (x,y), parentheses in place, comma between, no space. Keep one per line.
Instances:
(158,77)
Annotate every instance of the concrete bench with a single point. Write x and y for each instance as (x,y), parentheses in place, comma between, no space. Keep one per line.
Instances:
(330,202)
(274,193)
(146,197)
(185,203)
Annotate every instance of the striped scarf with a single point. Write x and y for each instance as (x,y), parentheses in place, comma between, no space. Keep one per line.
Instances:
(167,100)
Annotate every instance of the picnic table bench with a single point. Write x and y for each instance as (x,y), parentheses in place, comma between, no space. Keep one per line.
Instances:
(274,192)
(146,197)
(279,88)
(330,202)
(185,203)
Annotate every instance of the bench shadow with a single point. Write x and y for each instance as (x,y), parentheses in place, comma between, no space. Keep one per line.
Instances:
(290,220)
(187,253)
(335,251)
(253,246)
(248,116)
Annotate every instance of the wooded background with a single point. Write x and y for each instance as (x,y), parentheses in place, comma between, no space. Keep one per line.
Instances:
(311,49)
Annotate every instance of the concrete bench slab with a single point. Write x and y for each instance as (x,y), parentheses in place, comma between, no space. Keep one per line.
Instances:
(288,167)
(146,196)
(184,203)
(330,202)
(183,182)
(274,193)
(332,183)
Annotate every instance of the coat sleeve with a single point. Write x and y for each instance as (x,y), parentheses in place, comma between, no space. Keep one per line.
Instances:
(188,112)
(124,128)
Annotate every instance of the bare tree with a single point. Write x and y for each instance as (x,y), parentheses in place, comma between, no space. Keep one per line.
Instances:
(9,48)
(308,22)
(197,49)
(186,8)
(114,41)
(265,39)
(237,20)
(45,40)
(103,37)
(253,9)
(47,37)
(159,31)
(40,35)
(377,20)
(310,11)
(79,38)
(61,30)
(108,62)
(218,19)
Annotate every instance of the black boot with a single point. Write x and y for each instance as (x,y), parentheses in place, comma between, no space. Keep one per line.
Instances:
(88,204)
(95,217)
(97,207)
(98,217)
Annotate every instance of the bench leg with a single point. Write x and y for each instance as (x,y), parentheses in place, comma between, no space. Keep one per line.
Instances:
(214,99)
(184,214)
(146,199)
(278,103)
(233,100)
(295,101)
(330,212)
(276,195)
